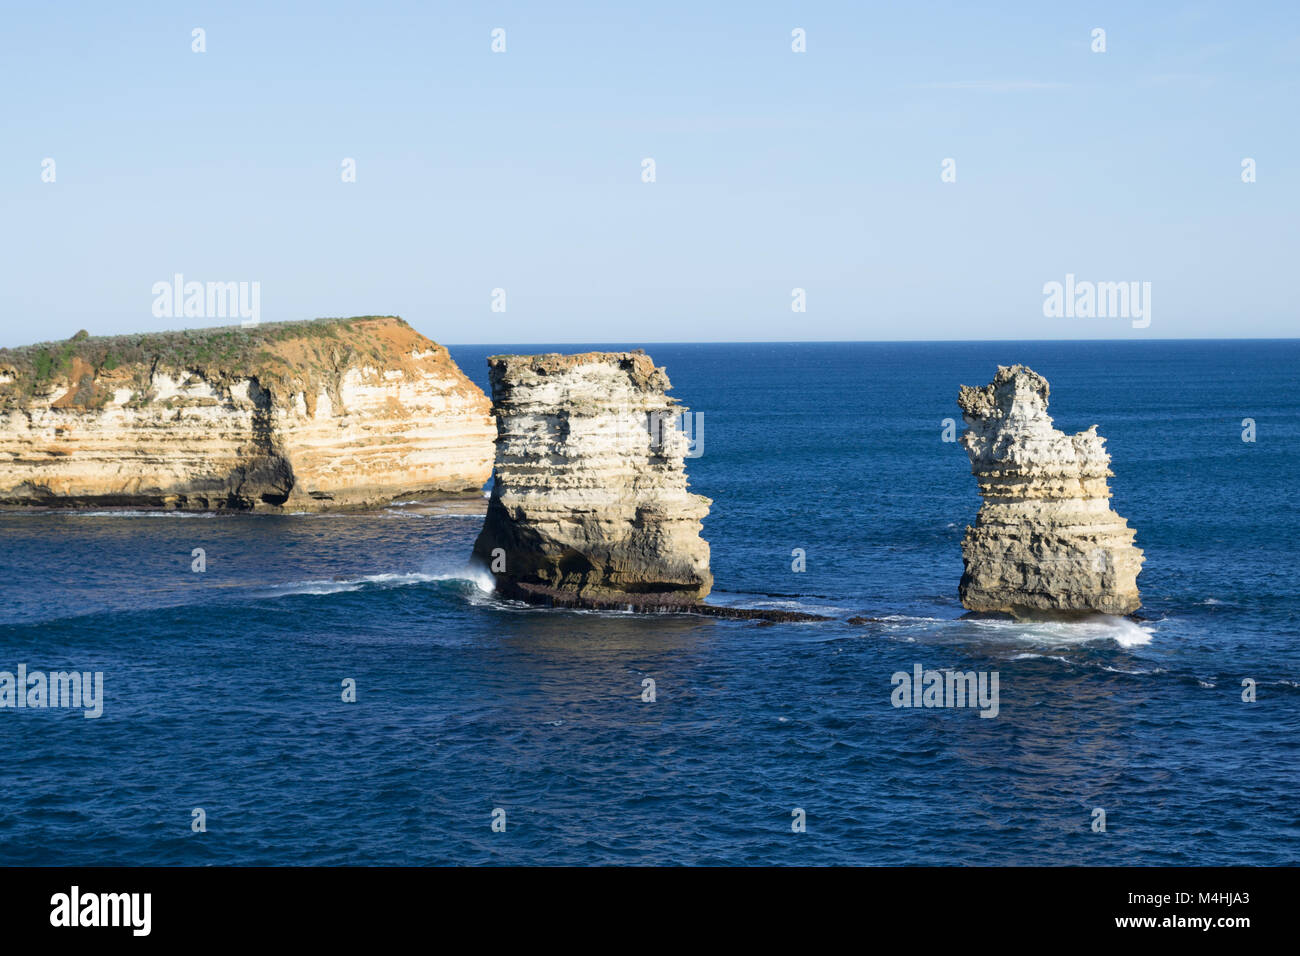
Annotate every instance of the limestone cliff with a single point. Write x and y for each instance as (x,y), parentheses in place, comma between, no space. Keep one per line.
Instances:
(1046,539)
(294,415)
(590,504)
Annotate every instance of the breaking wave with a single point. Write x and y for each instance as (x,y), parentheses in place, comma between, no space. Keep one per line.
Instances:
(1122,631)
(479,578)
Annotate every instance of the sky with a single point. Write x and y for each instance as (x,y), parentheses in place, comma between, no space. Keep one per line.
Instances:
(774,170)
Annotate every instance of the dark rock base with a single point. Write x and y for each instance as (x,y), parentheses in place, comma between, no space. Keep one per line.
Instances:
(650,603)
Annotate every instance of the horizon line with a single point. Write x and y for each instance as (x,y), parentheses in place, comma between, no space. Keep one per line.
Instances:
(1128,341)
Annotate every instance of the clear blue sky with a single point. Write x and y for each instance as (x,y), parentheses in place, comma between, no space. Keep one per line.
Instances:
(775,170)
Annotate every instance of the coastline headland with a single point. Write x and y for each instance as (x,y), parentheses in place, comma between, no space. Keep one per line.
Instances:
(291,416)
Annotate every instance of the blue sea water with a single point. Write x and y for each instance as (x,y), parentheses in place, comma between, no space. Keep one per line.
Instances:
(223,688)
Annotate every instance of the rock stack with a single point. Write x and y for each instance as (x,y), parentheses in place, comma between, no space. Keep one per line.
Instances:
(1046,541)
(590,506)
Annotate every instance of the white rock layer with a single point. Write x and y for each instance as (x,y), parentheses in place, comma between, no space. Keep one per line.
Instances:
(590,498)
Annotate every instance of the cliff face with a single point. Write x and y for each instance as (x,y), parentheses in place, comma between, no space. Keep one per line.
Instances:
(1046,539)
(590,501)
(299,415)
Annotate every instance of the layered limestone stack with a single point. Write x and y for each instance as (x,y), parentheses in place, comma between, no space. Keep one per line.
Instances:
(293,416)
(590,504)
(1046,540)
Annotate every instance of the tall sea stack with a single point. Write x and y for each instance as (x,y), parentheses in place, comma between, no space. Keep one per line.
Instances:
(1046,541)
(590,504)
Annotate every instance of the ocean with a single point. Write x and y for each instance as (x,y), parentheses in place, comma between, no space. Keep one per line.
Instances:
(225,738)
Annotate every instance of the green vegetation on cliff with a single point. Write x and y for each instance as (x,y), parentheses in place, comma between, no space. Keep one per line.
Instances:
(287,356)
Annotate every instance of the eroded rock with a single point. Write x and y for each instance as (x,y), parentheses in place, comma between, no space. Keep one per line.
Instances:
(590,506)
(1046,540)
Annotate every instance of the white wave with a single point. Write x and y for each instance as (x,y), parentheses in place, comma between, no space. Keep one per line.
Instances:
(1131,673)
(474,573)
(1043,657)
(314,587)
(126,513)
(427,515)
(1122,631)
(432,510)
(826,610)
(347,584)
(397,580)
(481,579)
